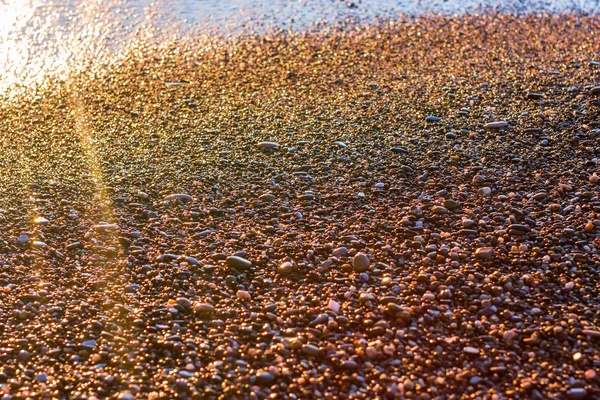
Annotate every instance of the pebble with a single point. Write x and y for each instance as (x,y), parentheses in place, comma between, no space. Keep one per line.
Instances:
(468,223)
(471,350)
(591,333)
(23,239)
(577,393)
(306,197)
(485,191)
(31,297)
(41,221)
(554,207)
(518,229)
(267,198)
(73,246)
(590,374)
(366,297)
(484,253)
(534,96)
(90,344)
(595,90)
(310,350)
(451,204)
(268,145)
(184,302)
(478,179)
(238,262)
(103,226)
(204,308)
(439,210)
(243,295)
(191,261)
(285,268)
(126,395)
(510,335)
(432,118)
(496,125)
(178,196)
(264,377)
(429,297)
(340,252)
(23,355)
(333,305)
(361,262)
(371,352)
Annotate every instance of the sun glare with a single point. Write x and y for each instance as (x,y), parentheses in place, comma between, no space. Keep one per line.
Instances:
(15,43)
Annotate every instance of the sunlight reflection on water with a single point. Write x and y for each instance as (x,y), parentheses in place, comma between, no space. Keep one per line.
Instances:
(14,16)
(41,37)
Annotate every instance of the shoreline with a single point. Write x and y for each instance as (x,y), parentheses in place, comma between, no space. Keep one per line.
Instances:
(400,211)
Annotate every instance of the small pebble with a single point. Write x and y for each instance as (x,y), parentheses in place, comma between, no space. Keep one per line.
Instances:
(178,196)
(484,253)
(577,393)
(310,350)
(496,125)
(243,295)
(238,262)
(361,262)
(285,269)
(184,302)
(264,377)
(268,145)
(485,191)
(590,374)
(340,252)
(204,308)
(333,305)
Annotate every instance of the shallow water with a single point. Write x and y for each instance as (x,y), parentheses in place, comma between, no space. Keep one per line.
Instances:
(41,37)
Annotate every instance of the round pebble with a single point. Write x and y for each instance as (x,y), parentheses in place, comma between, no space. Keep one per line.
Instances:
(361,262)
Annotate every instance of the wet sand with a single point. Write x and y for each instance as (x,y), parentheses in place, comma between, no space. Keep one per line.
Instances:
(406,210)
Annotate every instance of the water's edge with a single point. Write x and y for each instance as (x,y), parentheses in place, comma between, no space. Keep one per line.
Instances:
(49,37)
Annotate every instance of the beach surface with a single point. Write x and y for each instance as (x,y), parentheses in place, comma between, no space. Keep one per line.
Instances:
(402,209)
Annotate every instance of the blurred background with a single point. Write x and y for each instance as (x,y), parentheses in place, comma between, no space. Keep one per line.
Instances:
(41,37)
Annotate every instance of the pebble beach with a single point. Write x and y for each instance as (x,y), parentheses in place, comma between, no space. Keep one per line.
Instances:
(405,209)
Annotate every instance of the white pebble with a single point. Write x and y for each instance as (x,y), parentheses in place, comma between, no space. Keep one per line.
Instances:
(334,305)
